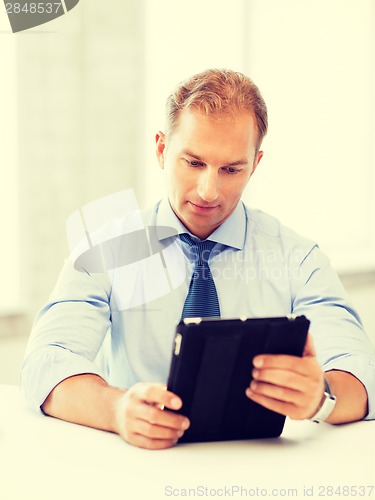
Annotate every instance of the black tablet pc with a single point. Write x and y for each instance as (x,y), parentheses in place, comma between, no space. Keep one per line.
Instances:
(211,369)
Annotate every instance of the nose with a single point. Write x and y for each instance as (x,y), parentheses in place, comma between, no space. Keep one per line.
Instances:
(208,185)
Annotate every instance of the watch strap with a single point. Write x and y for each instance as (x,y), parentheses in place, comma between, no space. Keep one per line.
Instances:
(327,406)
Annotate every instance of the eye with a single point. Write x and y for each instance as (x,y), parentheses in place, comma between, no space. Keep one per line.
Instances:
(231,170)
(194,163)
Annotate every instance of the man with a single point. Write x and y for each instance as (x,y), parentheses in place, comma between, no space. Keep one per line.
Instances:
(211,147)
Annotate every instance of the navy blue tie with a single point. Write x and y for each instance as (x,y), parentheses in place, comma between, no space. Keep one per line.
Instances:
(201,300)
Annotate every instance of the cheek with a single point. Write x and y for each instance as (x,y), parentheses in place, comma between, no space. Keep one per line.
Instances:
(175,179)
(181,179)
(232,189)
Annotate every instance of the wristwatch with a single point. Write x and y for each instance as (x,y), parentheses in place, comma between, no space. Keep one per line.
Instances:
(327,406)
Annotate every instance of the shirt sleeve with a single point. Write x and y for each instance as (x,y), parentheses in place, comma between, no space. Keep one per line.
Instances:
(339,338)
(67,334)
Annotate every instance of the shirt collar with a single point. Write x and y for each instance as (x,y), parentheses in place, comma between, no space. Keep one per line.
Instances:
(231,233)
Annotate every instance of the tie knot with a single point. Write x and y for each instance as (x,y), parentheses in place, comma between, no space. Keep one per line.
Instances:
(202,249)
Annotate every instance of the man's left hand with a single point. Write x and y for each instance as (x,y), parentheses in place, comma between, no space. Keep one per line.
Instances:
(290,385)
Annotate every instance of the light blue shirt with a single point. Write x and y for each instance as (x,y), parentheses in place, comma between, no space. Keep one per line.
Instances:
(120,322)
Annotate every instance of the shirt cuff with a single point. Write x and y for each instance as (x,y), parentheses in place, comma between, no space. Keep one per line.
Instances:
(44,371)
(364,370)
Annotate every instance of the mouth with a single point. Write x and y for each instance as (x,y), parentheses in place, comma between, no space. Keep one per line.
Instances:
(204,208)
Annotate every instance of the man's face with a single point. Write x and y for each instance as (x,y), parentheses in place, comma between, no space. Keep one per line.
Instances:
(207,162)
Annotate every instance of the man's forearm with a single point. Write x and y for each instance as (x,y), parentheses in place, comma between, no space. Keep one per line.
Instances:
(351,395)
(135,414)
(84,399)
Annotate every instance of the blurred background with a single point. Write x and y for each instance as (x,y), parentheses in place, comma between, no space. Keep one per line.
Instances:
(82,97)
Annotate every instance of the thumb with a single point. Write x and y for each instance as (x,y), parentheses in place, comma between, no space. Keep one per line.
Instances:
(309,349)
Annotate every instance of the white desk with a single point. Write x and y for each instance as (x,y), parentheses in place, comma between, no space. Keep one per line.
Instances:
(44,458)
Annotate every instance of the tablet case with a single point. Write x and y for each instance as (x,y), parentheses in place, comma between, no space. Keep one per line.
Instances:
(211,369)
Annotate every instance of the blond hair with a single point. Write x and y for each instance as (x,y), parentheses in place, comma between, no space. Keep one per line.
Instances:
(218,92)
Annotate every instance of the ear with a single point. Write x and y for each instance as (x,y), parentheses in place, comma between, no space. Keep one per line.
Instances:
(256,161)
(160,148)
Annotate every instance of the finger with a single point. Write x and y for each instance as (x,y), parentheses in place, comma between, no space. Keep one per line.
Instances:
(149,443)
(299,365)
(290,403)
(282,407)
(309,349)
(297,404)
(164,418)
(156,394)
(284,378)
(154,431)
(275,391)
(278,392)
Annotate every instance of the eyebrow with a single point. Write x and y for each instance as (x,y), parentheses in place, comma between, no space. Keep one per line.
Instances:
(231,164)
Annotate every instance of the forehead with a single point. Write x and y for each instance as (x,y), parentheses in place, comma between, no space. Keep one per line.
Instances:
(229,134)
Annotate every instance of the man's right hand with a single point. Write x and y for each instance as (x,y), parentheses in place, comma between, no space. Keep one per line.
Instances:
(141,421)
(135,414)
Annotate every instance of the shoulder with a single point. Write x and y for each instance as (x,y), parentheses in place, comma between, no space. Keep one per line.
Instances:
(127,222)
(263,226)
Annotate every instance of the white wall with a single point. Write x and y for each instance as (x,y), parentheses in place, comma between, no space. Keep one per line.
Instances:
(10,295)
(315,62)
